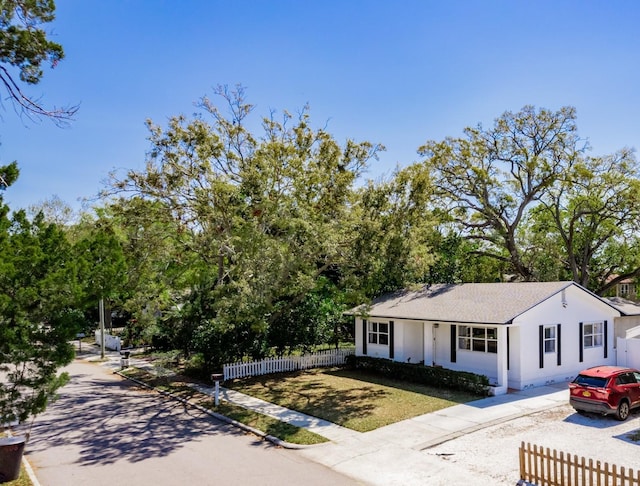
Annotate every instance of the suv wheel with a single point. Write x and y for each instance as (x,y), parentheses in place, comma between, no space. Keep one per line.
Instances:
(623,410)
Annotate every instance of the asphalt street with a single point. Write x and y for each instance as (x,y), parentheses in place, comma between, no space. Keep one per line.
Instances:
(104,430)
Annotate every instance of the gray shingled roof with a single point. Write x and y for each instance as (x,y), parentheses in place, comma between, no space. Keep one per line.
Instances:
(492,303)
(627,307)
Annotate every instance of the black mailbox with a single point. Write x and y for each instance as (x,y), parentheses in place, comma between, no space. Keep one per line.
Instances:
(217,377)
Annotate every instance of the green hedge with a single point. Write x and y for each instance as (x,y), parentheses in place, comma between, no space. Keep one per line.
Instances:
(426,375)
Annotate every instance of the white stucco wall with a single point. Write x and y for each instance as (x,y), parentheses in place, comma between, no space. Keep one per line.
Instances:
(408,341)
(628,352)
(515,363)
(525,371)
(626,323)
(466,360)
(373,350)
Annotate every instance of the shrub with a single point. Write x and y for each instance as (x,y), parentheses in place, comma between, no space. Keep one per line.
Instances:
(195,367)
(418,373)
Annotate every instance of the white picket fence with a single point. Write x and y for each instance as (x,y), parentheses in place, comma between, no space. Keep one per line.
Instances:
(331,357)
(110,342)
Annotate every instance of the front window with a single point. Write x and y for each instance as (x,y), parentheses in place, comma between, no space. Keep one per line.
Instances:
(379,333)
(550,339)
(482,339)
(593,336)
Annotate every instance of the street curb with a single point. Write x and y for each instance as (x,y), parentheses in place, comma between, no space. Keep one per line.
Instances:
(222,418)
(30,472)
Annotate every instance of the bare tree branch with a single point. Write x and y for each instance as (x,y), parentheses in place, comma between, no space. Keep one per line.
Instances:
(31,108)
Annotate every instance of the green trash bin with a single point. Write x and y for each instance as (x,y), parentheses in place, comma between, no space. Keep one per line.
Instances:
(11,450)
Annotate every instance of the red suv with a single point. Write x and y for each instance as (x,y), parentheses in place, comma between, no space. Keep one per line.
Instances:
(606,390)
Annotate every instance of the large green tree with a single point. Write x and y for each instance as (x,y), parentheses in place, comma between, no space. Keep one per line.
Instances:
(593,213)
(529,194)
(99,254)
(24,49)
(158,265)
(392,234)
(264,213)
(39,294)
(489,179)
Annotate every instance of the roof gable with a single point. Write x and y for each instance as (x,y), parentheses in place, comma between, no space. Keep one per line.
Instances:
(492,303)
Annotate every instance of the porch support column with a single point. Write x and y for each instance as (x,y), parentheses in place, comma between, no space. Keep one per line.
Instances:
(427,344)
(502,361)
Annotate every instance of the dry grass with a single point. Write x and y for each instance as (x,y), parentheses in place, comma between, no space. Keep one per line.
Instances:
(349,398)
(23,479)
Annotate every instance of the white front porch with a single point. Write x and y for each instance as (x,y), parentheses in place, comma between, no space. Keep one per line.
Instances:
(438,344)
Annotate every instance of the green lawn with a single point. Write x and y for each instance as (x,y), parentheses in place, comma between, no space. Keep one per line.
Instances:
(349,398)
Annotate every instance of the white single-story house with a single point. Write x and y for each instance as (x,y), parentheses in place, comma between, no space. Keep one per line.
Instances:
(519,335)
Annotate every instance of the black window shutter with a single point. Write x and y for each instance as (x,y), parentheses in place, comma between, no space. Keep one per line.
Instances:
(508,348)
(606,340)
(581,343)
(364,336)
(559,343)
(453,343)
(390,339)
(541,345)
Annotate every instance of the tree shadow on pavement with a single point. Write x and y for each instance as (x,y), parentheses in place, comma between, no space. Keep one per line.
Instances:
(104,421)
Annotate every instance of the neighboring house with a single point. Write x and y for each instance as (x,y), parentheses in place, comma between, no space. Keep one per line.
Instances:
(519,335)
(625,289)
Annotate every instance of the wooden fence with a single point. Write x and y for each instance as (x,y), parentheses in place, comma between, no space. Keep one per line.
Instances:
(331,357)
(544,467)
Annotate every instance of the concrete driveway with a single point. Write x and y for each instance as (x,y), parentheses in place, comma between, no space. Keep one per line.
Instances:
(477,443)
(106,431)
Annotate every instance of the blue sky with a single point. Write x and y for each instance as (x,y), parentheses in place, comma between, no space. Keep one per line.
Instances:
(392,72)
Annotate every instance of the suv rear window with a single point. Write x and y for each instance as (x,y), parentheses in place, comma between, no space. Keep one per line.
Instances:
(595,381)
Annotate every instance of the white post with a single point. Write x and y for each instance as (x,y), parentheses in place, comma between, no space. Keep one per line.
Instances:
(216,378)
(101,311)
(501,357)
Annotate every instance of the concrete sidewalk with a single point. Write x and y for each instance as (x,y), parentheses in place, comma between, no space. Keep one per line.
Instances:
(319,426)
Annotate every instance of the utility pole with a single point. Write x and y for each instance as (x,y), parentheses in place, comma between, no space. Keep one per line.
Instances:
(101,311)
